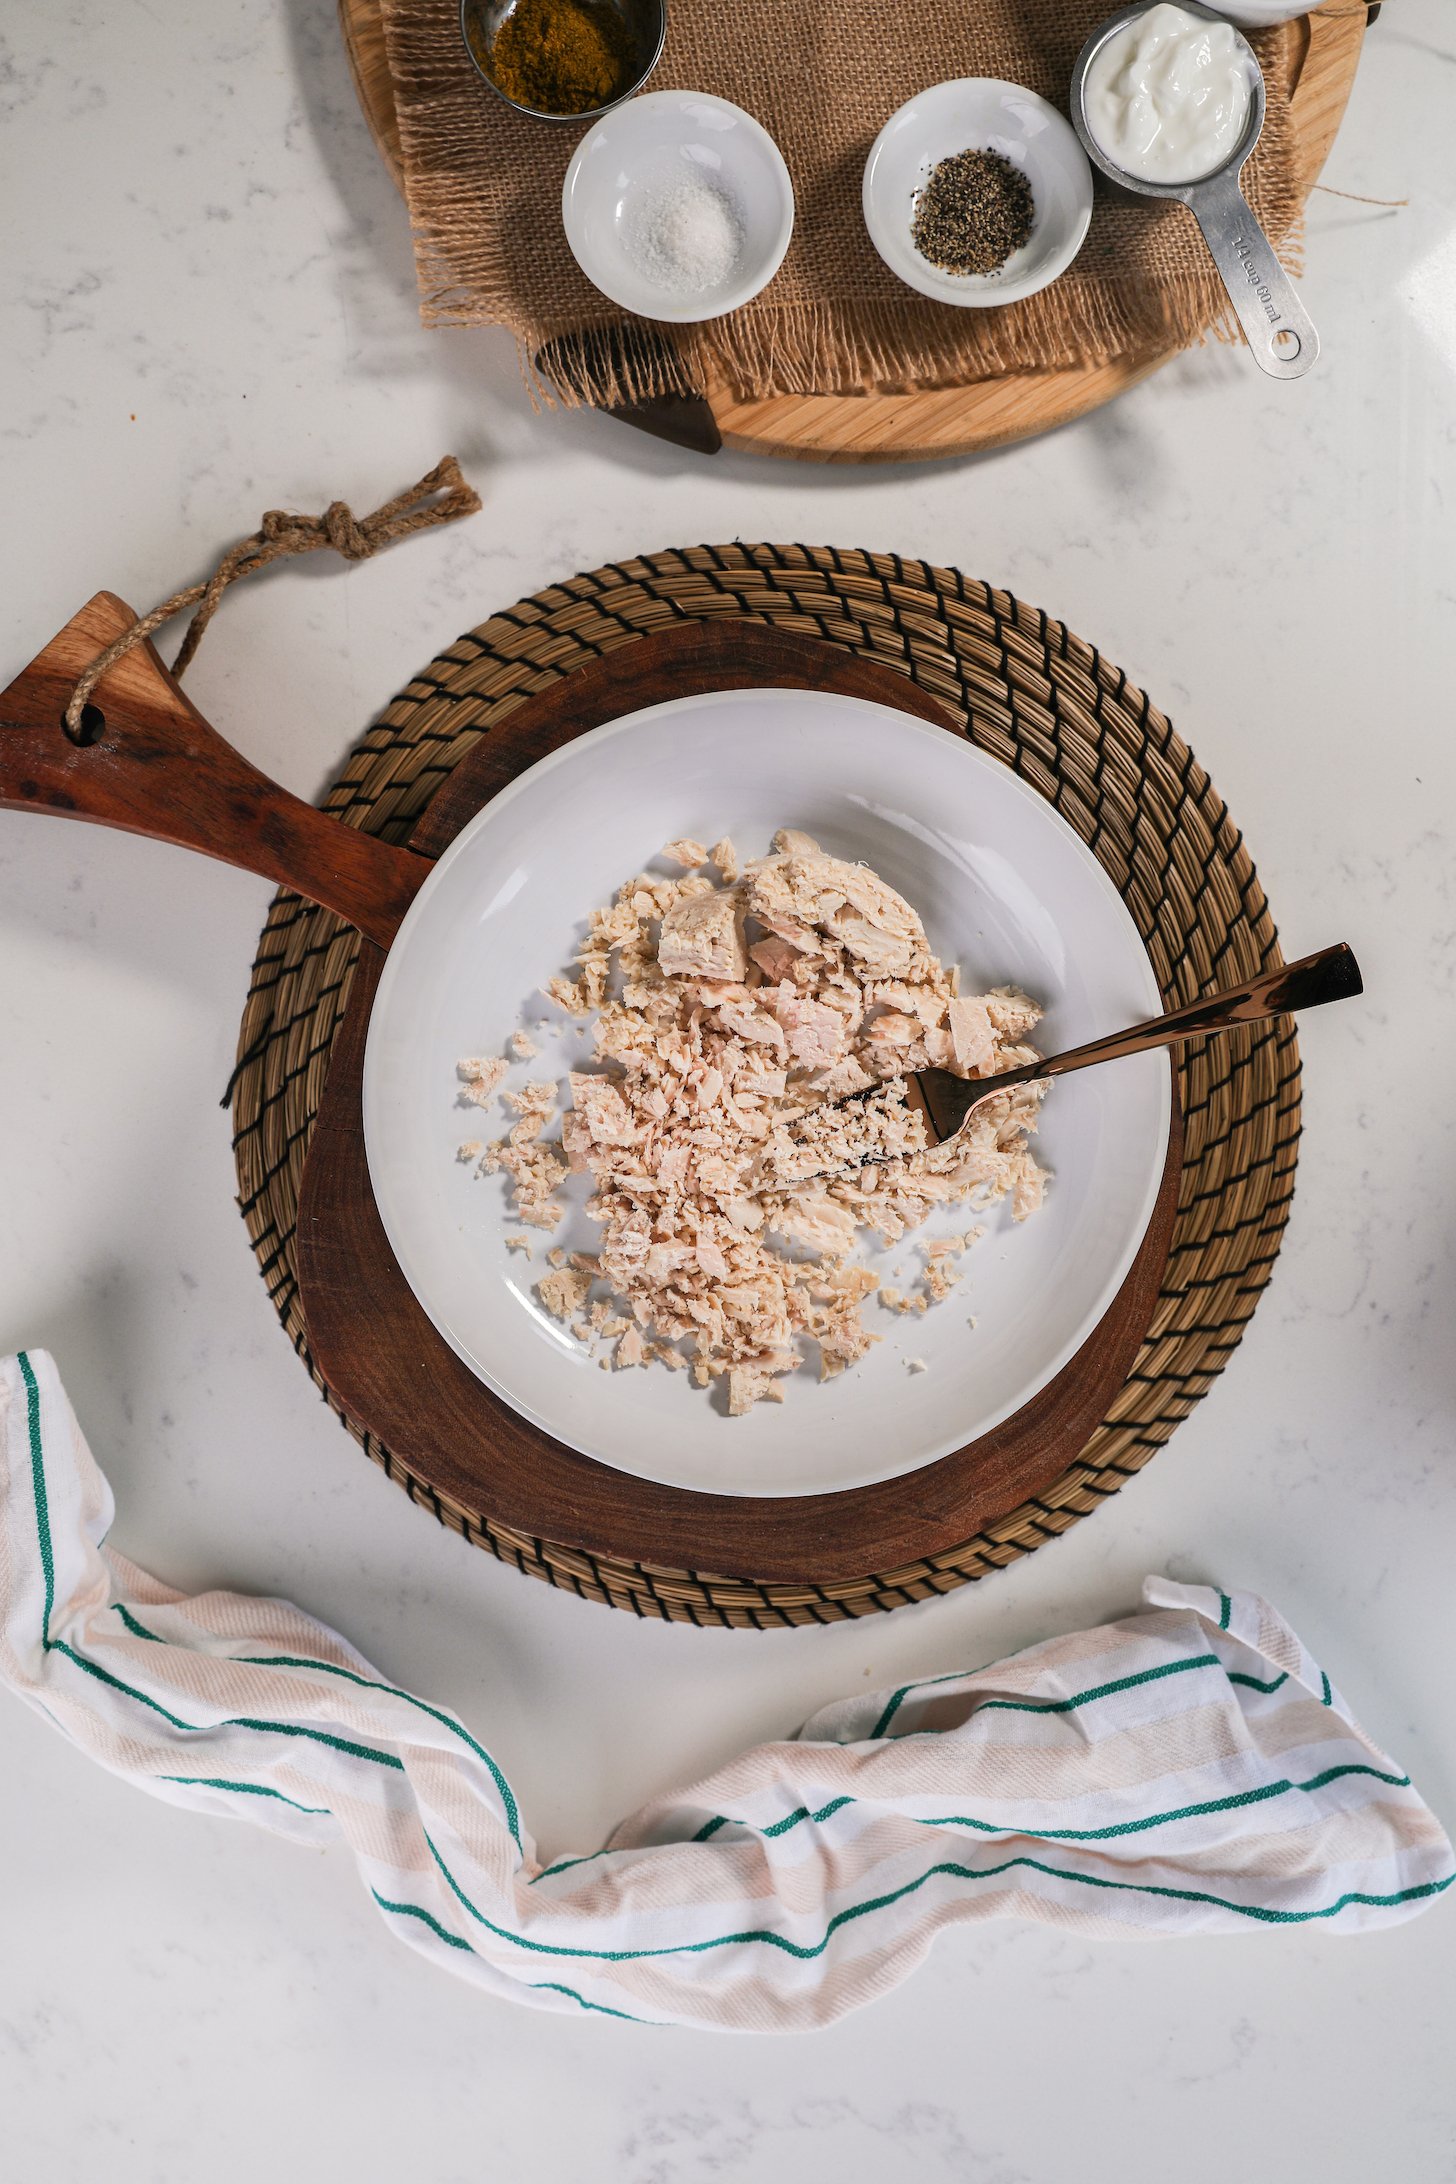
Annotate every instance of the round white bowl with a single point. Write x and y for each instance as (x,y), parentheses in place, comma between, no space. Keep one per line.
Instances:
(645,145)
(1006,889)
(981,114)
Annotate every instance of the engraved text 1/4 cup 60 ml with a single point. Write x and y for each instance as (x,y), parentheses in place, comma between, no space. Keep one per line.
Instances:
(1158,85)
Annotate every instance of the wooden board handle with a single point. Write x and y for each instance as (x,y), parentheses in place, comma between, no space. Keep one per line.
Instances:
(152,765)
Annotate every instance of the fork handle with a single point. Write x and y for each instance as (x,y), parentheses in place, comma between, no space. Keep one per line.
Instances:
(1331,974)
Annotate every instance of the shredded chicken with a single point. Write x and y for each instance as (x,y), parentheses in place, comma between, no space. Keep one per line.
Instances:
(482,1075)
(730,1184)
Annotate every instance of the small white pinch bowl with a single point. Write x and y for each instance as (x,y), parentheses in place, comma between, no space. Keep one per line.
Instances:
(645,145)
(979,113)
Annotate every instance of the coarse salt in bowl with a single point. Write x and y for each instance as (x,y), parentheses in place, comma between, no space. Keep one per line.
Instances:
(678,206)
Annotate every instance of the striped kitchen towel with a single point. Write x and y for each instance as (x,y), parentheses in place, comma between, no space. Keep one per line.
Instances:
(1187,1770)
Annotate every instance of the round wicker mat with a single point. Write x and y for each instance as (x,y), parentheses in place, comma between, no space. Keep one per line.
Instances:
(1037,697)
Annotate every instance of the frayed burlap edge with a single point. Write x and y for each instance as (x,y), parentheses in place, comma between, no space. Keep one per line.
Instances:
(813,350)
(807,350)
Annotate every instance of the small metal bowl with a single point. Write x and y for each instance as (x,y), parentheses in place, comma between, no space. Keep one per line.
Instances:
(645,22)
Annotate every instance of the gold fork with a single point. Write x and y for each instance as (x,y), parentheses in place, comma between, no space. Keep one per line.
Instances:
(1331,974)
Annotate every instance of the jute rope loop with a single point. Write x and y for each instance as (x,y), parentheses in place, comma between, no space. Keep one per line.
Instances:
(281,535)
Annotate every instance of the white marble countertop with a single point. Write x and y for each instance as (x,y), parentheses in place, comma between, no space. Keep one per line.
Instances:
(209,309)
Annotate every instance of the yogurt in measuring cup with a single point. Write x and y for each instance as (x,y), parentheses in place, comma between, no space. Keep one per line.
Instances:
(1167,96)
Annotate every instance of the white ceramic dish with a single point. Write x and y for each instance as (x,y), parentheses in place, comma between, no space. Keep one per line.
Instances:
(979,113)
(643,146)
(1006,889)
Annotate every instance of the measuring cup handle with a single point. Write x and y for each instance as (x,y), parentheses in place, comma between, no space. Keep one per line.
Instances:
(1280,331)
(151,764)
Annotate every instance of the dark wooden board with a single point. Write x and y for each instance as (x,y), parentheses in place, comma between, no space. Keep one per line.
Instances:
(396,1376)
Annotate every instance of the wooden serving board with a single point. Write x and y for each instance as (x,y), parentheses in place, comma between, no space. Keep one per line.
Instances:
(946,420)
(396,1376)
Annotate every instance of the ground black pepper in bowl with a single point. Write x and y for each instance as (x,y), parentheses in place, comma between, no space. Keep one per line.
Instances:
(975,209)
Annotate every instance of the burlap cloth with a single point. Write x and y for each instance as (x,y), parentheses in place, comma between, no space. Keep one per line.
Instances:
(484,189)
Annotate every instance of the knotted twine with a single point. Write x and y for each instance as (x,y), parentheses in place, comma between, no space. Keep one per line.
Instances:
(281,535)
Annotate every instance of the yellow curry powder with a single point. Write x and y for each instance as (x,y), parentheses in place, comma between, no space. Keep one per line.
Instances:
(560,56)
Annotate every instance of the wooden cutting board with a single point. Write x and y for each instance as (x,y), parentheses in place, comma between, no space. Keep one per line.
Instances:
(396,1375)
(148,762)
(987,413)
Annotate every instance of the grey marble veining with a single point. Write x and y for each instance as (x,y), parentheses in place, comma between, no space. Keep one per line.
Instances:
(209,309)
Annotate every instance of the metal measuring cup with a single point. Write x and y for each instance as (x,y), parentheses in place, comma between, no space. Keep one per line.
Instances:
(1280,331)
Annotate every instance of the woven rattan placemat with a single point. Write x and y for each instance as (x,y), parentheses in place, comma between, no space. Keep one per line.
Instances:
(1037,697)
